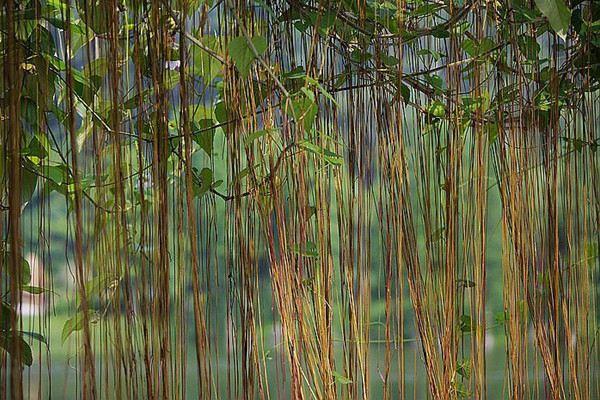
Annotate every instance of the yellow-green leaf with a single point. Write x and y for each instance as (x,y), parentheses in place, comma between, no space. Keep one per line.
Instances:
(341,379)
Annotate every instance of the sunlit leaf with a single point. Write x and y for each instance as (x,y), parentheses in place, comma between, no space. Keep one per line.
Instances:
(437,109)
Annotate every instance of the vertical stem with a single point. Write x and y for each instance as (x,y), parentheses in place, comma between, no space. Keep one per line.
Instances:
(14,199)
(89,375)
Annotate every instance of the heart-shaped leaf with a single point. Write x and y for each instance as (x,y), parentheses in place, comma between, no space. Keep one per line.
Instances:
(243,51)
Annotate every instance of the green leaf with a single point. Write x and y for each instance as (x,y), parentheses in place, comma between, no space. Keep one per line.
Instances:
(28,183)
(73,324)
(204,64)
(201,112)
(528,46)
(437,109)
(35,149)
(99,284)
(341,379)
(242,53)
(501,318)
(464,368)
(436,55)
(6,312)
(327,155)
(440,33)
(204,134)
(241,175)
(360,56)
(203,181)
(296,73)
(466,324)
(460,390)
(474,48)
(25,269)
(33,289)
(389,61)
(2,161)
(56,174)
(310,250)
(254,136)
(221,112)
(98,14)
(258,134)
(426,9)
(7,343)
(466,283)
(436,82)
(304,109)
(558,15)
(133,101)
(36,336)
(25,272)
(405,92)
(321,89)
